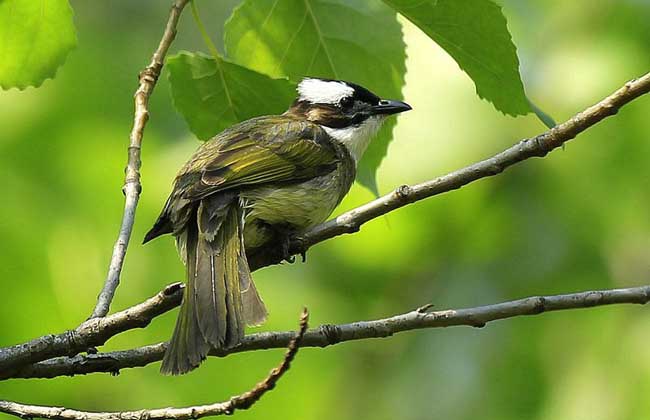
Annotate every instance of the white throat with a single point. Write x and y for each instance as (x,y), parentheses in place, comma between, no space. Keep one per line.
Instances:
(357,138)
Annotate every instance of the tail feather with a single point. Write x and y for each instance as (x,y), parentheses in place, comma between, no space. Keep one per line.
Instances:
(254,309)
(218,293)
(229,258)
(187,348)
(210,290)
(220,297)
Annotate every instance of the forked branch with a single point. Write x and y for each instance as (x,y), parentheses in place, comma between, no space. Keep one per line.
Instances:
(93,332)
(239,402)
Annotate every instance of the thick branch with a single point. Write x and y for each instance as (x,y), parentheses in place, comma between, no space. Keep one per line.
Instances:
(538,146)
(239,402)
(132,187)
(94,332)
(327,335)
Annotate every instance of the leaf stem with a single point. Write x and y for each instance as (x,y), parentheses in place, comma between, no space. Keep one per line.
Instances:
(204,33)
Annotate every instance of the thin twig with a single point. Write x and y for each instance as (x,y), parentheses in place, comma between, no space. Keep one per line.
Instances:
(537,146)
(132,187)
(93,332)
(239,402)
(326,335)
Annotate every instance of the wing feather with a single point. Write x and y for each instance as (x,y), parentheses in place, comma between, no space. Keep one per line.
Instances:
(262,150)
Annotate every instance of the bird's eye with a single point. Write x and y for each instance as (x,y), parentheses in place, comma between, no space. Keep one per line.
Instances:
(346,102)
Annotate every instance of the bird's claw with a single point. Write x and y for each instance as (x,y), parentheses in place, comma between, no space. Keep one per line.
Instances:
(285,249)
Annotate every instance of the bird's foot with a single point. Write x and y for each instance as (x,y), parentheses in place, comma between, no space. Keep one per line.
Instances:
(283,251)
(286,249)
(285,246)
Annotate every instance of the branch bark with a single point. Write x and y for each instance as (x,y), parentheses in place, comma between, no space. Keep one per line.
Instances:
(239,402)
(132,187)
(538,146)
(326,335)
(94,332)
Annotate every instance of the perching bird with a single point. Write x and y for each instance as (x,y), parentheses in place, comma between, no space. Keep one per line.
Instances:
(252,186)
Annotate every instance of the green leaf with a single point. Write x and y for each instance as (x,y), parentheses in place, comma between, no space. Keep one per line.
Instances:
(475,34)
(354,40)
(35,38)
(213,94)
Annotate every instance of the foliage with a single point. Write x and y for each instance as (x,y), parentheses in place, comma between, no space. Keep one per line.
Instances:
(213,94)
(475,34)
(35,38)
(575,220)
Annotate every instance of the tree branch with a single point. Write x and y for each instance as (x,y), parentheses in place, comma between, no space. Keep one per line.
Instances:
(326,335)
(239,402)
(93,332)
(538,146)
(132,187)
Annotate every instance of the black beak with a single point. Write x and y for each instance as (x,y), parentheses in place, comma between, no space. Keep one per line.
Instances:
(388,107)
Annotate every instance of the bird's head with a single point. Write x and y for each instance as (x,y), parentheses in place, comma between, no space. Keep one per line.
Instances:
(348,112)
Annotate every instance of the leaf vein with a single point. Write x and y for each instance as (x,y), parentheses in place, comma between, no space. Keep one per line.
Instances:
(291,41)
(320,37)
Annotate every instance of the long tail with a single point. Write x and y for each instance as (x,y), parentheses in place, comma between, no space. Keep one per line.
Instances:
(220,297)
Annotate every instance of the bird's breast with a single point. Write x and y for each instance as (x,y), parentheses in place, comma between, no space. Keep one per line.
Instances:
(295,206)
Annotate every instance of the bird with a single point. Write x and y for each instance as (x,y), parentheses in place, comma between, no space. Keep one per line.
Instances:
(252,187)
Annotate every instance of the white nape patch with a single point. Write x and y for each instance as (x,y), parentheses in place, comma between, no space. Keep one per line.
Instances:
(357,138)
(319,91)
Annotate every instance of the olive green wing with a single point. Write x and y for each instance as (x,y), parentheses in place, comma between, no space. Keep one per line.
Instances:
(263,150)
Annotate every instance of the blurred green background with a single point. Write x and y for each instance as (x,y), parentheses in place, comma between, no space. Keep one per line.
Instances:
(578,219)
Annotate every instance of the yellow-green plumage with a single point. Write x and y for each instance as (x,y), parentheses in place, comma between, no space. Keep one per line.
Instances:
(242,191)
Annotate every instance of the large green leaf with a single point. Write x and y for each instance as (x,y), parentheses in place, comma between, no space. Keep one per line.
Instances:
(475,34)
(35,38)
(355,40)
(213,94)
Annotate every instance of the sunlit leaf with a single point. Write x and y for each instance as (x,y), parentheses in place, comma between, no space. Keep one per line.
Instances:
(475,34)
(35,38)
(359,41)
(214,94)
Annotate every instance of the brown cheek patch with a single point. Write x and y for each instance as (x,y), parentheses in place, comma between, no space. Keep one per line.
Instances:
(327,117)
(318,114)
